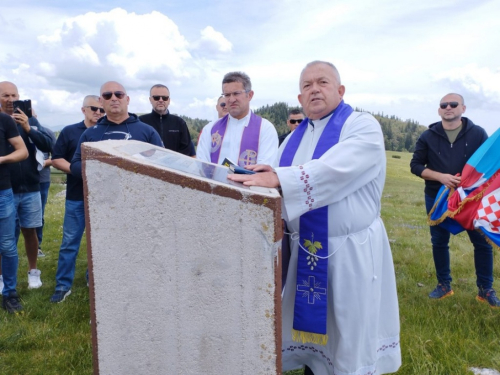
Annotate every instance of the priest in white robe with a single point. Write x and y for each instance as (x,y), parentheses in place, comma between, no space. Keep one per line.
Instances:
(340,309)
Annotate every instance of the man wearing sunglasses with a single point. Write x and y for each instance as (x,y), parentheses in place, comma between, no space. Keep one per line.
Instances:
(440,155)
(295,117)
(240,136)
(221,107)
(173,130)
(25,178)
(117,124)
(74,216)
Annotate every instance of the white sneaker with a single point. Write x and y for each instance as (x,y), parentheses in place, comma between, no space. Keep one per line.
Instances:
(1,284)
(34,281)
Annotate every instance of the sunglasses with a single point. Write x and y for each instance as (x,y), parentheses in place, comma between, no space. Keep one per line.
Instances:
(163,97)
(222,105)
(293,122)
(95,109)
(107,95)
(444,105)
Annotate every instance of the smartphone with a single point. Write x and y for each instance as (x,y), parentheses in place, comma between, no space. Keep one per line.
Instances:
(240,170)
(25,106)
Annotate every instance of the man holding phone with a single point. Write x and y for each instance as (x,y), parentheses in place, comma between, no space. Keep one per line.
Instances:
(25,177)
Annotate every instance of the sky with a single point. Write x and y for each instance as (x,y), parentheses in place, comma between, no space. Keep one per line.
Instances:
(394,57)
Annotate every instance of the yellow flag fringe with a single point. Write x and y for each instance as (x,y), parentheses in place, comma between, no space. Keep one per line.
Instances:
(452,214)
(305,337)
(477,197)
(444,215)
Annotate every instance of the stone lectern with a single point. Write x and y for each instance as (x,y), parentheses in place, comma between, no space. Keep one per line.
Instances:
(185,276)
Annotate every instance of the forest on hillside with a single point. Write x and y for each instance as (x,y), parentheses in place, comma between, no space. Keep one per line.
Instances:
(399,135)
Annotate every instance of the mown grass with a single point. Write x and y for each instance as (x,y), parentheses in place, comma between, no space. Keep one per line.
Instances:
(48,338)
(437,337)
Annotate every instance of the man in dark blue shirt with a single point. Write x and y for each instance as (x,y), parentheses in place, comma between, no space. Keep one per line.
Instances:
(74,215)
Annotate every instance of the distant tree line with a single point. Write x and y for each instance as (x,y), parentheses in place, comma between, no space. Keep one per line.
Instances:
(399,135)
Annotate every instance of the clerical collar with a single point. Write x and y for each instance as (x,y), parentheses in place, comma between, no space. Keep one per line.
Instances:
(244,120)
(320,122)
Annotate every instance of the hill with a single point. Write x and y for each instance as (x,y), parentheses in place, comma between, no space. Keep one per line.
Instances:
(399,135)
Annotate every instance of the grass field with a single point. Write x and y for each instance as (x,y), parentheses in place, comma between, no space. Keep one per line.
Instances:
(437,337)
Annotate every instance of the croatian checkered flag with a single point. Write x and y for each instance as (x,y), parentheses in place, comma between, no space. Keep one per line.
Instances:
(487,218)
(475,202)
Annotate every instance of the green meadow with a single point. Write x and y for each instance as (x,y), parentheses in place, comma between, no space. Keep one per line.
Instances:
(437,337)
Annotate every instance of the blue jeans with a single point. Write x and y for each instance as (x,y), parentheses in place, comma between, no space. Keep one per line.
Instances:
(483,253)
(73,227)
(44,193)
(8,248)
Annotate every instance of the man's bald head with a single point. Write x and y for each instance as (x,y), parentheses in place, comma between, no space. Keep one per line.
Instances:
(8,94)
(114,100)
(112,84)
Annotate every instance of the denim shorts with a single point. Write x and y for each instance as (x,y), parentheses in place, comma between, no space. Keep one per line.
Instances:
(29,209)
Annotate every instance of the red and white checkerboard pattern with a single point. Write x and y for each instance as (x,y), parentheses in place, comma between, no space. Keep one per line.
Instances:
(489,211)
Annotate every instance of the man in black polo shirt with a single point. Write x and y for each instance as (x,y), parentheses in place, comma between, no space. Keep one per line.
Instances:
(172,129)
(8,249)
(74,215)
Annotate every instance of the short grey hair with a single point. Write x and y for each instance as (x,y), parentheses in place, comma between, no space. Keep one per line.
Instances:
(316,62)
(85,100)
(158,85)
(238,77)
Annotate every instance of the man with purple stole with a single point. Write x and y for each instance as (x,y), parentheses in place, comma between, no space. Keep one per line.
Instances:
(340,308)
(240,136)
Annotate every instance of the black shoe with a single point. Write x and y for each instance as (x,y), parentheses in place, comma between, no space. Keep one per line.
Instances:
(11,303)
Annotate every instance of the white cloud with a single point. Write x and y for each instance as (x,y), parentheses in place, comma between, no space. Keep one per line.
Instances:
(393,57)
(479,85)
(212,42)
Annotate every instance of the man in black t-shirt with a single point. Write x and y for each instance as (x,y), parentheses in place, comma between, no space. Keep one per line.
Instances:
(25,178)
(8,249)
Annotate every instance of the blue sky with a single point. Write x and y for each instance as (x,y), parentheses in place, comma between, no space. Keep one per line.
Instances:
(396,57)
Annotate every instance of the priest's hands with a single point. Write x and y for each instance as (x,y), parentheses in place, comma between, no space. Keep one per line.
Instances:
(265,177)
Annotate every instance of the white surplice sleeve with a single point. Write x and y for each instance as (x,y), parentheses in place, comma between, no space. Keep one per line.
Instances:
(268,143)
(205,143)
(355,161)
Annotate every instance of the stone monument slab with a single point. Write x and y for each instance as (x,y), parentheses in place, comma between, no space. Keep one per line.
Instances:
(185,274)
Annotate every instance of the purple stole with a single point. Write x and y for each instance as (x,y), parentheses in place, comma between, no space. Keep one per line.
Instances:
(249,145)
(311,305)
